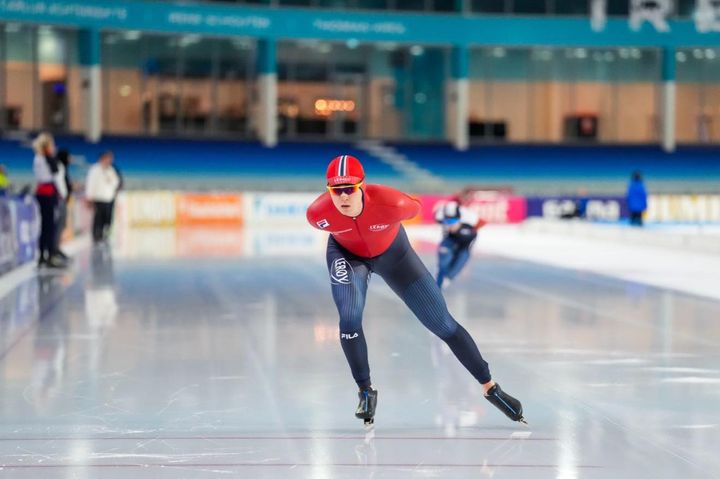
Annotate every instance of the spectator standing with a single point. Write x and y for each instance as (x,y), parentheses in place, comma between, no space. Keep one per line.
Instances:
(50,190)
(100,189)
(63,158)
(636,199)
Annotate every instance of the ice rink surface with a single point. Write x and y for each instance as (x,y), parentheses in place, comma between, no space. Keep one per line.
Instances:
(202,354)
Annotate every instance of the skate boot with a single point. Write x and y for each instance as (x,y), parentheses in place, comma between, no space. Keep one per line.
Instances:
(366,407)
(509,406)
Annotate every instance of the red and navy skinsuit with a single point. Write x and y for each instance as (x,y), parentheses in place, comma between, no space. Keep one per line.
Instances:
(375,242)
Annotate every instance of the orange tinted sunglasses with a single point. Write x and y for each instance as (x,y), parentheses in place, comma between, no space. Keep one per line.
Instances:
(347,189)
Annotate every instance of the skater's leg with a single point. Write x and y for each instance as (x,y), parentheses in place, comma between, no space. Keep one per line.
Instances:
(425,300)
(349,278)
(403,271)
(445,258)
(460,259)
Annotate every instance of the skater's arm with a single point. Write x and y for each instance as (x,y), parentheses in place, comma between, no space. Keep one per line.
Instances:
(408,207)
(397,206)
(316,213)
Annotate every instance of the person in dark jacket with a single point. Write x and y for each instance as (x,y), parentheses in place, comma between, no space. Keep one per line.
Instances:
(636,199)
(63,157)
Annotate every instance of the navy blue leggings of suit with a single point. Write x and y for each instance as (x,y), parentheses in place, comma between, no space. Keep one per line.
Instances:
(452,257)
(408,277)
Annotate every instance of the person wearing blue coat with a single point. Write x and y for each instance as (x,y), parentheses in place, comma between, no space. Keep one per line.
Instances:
(636,199)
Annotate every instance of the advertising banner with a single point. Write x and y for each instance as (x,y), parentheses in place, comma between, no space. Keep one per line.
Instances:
(148,208)
(8,241)
(26,221)
(490,207)
(277,208)
(600,208)
(208,209)
(683,208)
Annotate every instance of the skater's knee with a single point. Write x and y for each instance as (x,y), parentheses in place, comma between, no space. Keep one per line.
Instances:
(442,326)
(445,329)
(349,324)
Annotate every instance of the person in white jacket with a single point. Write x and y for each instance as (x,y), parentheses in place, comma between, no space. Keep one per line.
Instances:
(101,188)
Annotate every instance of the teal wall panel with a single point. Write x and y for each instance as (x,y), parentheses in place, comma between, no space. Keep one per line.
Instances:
(300,23)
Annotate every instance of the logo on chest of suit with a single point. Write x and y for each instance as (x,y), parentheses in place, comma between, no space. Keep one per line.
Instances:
(378,227)
(323,223)
(340,271)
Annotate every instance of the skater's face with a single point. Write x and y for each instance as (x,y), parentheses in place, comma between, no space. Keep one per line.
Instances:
(347,198)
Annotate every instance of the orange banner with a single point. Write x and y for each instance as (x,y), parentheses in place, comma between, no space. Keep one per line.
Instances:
(209,209)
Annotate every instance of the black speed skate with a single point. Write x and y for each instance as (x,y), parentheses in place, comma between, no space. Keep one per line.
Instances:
(509,406)
(367,405)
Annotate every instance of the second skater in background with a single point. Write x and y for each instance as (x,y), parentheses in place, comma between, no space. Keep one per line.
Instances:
(460,226)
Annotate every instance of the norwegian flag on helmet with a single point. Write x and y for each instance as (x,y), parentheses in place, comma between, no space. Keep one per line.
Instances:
(345,170)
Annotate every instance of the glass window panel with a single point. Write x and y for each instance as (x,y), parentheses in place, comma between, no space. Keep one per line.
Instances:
(499,94)
(337,4)
(572,7)
(410,4)
(547,94)
(161,89)
(53,55)
(21,99)
(127,70)
(374,4)
(425,92)
(196,93)
(237,77)
(698,96)
(685,8)
(311,72)
(488,6)
(446,5)
(75,90)
(529,6)
(322,89)
(386,105)
(618,7)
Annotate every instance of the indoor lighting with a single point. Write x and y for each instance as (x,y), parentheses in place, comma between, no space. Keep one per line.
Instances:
(327,106)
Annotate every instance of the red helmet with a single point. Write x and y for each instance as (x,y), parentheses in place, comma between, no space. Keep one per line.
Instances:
(345,170)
